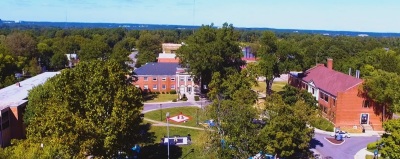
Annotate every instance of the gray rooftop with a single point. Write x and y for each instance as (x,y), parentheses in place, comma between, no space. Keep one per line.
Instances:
(15,96)
(154,68)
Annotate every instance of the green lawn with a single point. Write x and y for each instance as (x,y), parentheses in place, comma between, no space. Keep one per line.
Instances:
(157,151)
(371,157)
(192,112)
(276,86)
(155,98)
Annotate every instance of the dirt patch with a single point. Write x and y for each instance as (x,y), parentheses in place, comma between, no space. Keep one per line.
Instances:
(333,140)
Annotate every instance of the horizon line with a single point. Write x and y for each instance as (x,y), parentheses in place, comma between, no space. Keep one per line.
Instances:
(239,27)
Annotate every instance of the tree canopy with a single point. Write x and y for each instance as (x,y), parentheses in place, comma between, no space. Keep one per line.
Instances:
(91,110)
(211,50)
(391,142)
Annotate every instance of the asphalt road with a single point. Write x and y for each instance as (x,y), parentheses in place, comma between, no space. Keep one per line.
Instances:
(154,106)
(345,151)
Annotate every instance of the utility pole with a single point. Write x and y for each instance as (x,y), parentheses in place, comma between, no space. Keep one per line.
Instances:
(161,114)
(167,115)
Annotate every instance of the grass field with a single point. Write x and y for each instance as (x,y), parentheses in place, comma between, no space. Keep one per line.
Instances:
(276,86)
(154,98)
(157,151)
(191,111)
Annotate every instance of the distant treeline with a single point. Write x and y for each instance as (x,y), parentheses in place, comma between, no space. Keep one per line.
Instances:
(29,50)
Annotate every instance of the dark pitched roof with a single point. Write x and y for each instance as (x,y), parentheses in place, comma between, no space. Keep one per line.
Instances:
(330,81)
(154,68)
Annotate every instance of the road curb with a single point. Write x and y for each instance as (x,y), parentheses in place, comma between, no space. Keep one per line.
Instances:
(334,143)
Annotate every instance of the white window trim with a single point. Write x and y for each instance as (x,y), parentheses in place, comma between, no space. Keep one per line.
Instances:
(155,87)
(146,87)
(173,86)
(172,78)
(146,78)
(164,86)
(154,78)
(164,79)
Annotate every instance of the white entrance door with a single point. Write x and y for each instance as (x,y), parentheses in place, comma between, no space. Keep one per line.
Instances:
(182,89)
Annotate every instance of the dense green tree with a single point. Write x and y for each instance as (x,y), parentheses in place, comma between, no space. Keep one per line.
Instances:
(144,57)
(45,54)
(122,49)
(7,68)
(211,50)
(286,133)
(233,110)
(391,142)
(382,88)
(90,109)
(94,49)
(30,149)
(21,44)
(291,95)
(149,47)
(33,68)
(58,61)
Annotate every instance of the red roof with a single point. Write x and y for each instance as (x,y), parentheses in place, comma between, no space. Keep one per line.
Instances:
(329,80)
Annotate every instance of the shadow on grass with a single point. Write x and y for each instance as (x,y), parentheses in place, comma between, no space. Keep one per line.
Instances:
(314,143)
(148,97)
(158,151)
(146,136)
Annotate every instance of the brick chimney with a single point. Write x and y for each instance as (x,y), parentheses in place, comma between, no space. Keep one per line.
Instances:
(329,63)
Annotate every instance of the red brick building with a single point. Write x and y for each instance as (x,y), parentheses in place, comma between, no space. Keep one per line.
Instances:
(339,96)
(164,77)
(13,101)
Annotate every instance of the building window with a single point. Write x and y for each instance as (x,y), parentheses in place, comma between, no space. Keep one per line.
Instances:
(312,89)
(321,95)
(145,87)
(163,86)
(137,86)
(326,97)
(366,104)
(154,86)
(172,86)
(189,79)
(172,79)
(145,79)
(164,79)
(154,78)
(334,102)
(182,79)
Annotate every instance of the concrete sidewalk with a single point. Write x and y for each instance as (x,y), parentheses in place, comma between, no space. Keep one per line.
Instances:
(369,133)
(362,153)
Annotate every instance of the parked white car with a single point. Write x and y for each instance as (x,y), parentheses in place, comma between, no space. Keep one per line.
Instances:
(343,133)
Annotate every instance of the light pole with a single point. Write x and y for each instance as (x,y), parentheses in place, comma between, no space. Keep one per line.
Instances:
(167,115)
(197,115)
(161,112)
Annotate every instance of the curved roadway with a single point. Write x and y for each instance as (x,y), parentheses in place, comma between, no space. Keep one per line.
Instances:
(347,150)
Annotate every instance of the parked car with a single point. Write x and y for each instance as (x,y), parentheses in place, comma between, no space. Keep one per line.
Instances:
(343,133)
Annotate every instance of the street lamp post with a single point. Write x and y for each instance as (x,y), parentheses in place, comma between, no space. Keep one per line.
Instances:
(197,115)
(161,114)
(167,115)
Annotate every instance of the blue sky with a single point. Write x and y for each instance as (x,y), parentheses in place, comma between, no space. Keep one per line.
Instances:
(349,15)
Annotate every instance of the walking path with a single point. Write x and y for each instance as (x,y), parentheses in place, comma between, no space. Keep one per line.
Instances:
(362,153)
(159,123)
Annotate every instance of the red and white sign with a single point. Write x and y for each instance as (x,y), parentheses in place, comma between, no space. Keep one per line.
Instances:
(179,118)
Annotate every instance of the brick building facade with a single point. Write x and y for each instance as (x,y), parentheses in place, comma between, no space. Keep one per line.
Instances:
(13,101)
(339,96)
(164,77)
